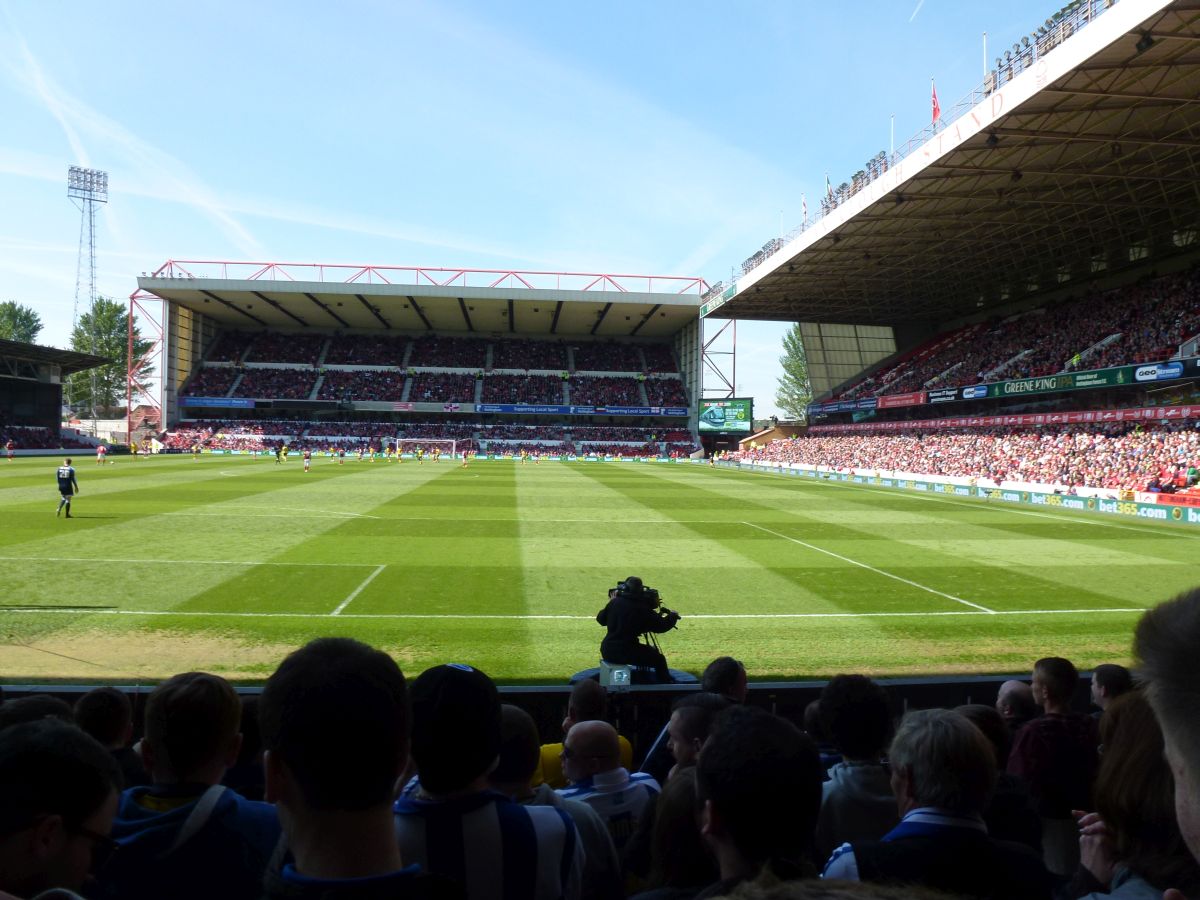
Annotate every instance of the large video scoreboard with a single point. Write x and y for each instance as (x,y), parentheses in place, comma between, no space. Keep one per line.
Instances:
(732,416)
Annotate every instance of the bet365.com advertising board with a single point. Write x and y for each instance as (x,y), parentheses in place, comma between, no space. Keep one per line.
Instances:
(731,416)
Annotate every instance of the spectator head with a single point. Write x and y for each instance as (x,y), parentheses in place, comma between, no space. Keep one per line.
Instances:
(1165,644)
(1054,681)
(34,708)
(520,750)
(988,720)
(940,759)
(455,727)
(1134,795)
(588,702)
(1110,681)
(855,714)
(107,715)
(191,729)
(691,720)
(60,795)
(590,748)
(725,676)
(1015,702)
(678,857)
(334,724)
(758,790)
(813,726)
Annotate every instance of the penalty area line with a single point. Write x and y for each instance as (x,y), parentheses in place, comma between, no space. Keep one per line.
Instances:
(862,565)
(503,617)
(358,590)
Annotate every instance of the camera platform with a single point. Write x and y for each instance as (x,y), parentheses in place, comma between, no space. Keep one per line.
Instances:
(622,676)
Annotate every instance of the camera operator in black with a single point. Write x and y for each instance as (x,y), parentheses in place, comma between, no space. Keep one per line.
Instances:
(633,612)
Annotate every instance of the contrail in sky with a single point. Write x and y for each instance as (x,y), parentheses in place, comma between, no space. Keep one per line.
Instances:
(920,3)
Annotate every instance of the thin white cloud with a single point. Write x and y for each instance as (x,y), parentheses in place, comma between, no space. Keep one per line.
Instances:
(920,3)
(78,120)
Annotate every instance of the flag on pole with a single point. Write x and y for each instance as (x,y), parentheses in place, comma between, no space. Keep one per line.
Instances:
(804,210)
(937,107)
(828,187)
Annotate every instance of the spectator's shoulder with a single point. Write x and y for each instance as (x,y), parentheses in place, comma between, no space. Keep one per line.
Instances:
(842,864)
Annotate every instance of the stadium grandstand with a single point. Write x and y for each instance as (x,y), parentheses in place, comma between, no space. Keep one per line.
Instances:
(31,396)
(1014,294)
(497,362)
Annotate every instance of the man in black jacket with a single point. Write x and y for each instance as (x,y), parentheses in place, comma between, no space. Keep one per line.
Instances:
(632,611)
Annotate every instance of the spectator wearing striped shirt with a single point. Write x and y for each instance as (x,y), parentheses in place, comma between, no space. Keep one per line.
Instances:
(453,824)
(591,757)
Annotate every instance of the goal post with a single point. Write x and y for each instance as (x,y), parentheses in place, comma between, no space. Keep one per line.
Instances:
(410,445)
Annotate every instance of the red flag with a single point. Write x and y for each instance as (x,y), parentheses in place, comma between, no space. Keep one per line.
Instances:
(937,107)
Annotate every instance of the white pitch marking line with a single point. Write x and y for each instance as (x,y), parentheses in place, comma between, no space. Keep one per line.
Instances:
(341,517)
(285,615)
(358,590)
(181,562)
(862,565)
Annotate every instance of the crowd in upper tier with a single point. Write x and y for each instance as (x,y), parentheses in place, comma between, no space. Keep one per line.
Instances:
(440,351)
(1143,322)
(1152,457)
(343,780)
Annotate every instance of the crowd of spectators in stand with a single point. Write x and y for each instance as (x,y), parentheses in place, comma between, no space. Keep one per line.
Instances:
(442,387)
(212,381)
(609,433)
(659,358)
(553,448)
(279,384)
(345,780)
(366,350)
(522,432)
(665,392)
(1144,322)
(604,391)
(681,448)
(537,389)
(518,353)
(436,430)
(374,385)
(598,448)
(231,346)
(448,352)
(377,430)
(1152,457)
(248,426)
(277,347)
(608,356)
(33,438)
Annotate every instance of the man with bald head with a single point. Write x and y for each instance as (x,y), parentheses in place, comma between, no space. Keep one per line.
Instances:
(1015,702)
(591,758)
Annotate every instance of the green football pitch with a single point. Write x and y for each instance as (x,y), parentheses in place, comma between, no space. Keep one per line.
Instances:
(227,563)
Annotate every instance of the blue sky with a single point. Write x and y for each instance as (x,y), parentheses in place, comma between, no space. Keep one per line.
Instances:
(660,137)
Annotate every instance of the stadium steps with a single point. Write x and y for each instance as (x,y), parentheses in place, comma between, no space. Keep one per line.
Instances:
(567,385)
(408,348)
(570,359)
(489,355)
(233,387)
(316,391)
(1007,364)
(642,387)
(321,357)
(477,397)
(408,381)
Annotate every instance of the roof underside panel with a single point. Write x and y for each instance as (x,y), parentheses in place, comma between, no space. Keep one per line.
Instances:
(1095,169)
(292,306)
